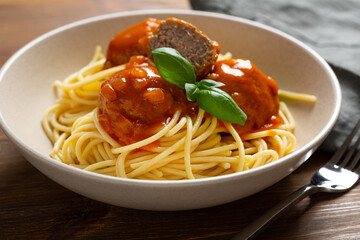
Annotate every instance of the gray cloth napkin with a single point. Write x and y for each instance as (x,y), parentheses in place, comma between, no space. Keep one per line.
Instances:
(331,28)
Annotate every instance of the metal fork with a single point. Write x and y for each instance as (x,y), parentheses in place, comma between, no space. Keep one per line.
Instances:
(338,175)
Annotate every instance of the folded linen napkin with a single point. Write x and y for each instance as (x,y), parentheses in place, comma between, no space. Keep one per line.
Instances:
(331,28)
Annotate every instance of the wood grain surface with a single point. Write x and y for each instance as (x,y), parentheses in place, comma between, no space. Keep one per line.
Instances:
(34,207)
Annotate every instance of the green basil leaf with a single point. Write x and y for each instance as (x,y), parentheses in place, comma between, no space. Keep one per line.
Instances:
(191,91)
(173,67)
(220,104)
(208,83)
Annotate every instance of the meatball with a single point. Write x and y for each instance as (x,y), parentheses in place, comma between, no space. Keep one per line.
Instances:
(134,103)
(254,92)
(132,41)
(192,44)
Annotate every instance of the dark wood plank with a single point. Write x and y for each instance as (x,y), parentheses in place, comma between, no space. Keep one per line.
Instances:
(58,213)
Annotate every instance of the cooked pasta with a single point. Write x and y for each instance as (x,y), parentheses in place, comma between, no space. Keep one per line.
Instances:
(185,148)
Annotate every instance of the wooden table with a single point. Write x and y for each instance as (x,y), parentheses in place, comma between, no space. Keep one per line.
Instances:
(34,207)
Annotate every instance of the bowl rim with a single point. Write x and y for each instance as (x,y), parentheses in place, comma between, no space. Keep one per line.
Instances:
(313,144)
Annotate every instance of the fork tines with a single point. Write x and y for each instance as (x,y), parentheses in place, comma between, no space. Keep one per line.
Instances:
(351,152)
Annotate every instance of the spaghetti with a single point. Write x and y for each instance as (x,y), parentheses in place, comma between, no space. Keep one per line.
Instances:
(185,148)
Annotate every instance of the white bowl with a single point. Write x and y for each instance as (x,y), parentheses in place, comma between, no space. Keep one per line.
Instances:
(26,83)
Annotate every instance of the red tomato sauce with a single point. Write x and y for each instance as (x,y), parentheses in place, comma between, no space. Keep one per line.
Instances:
(136,102)
(274,122)
(254,92)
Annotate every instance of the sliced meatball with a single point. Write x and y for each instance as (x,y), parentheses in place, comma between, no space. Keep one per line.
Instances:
(192,44)
(132,41)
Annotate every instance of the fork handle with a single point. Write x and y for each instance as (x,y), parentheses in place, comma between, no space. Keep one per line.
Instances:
(261,223)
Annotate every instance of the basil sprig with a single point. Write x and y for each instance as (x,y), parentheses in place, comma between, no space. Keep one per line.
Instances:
(177,70)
